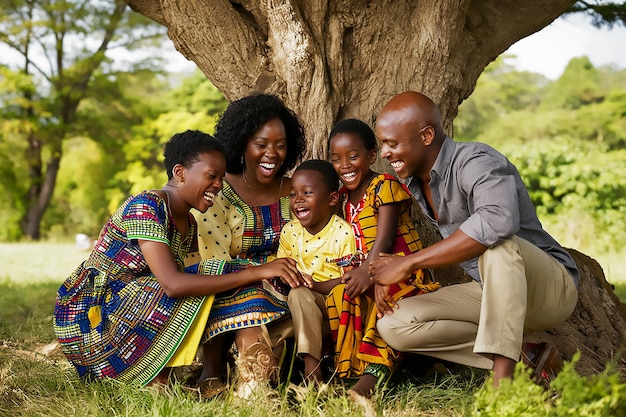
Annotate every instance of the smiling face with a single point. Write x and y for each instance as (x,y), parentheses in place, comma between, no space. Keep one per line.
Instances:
(203,180)
(351,159)
(311,201)
(410,132)
(403,144)
(265,152)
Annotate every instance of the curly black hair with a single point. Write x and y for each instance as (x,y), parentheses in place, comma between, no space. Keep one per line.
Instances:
(184,148)
(331,179)
(243,117)
(359,128)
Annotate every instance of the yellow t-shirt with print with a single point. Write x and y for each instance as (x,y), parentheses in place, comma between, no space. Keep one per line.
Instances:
(311,252)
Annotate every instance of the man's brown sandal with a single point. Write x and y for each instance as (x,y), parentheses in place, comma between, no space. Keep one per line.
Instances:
(545,361)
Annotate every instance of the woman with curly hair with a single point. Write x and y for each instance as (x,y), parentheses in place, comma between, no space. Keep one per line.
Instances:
(263,140)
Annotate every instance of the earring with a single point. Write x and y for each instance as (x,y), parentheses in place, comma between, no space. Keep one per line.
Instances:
(241,159)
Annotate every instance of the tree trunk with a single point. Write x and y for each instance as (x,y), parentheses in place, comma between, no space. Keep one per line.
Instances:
(330,60)
(40,192)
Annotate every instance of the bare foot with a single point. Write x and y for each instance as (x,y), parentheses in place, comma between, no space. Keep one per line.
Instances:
(161,381)
(312,369)
(365,385)
(503,367)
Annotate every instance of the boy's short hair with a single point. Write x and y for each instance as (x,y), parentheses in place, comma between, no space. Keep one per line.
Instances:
(331,179)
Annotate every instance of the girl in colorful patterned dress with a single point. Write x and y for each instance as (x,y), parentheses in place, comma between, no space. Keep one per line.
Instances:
(132,310)
(378,207)
(263,140)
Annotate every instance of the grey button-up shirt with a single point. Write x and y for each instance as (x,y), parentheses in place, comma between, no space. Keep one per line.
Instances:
(478,190)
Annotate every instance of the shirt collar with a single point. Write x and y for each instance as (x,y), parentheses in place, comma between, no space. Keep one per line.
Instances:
(443,162)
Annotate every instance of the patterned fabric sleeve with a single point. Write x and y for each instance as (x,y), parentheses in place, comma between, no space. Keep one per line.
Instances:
(219,266)
(145,217)
(388,190)
(220,229)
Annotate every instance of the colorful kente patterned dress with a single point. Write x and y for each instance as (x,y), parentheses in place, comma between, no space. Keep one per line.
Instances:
(112,318)
(353,322)
(232,229)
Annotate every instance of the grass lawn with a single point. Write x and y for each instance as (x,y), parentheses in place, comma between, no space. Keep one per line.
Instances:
(37,380)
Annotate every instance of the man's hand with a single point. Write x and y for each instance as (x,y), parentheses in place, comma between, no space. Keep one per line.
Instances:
(384,301)
(390,269)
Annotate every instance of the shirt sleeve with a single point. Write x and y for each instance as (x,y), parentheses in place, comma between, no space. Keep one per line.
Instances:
(348,246)
(285,242)
(220,230)
(390,191)
(490,186)
(145,217)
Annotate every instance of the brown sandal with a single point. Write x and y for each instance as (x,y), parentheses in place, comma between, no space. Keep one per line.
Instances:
(545,361)
(211,387)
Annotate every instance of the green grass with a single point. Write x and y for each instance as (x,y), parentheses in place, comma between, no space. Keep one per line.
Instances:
(39,262)
(36,383)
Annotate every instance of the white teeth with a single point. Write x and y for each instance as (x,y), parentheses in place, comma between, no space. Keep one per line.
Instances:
(349,177)
(301,212)
(397,164)
(268,166)
(209,196)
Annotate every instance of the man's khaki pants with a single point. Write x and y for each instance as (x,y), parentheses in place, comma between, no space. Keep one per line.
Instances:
(523,290)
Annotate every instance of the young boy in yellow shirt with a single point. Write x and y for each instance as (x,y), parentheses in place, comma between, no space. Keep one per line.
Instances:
(314,238)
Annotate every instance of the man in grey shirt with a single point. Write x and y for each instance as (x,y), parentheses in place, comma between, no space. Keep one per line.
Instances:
(523,280)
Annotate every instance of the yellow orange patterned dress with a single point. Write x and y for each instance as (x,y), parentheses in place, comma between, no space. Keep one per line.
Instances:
(353,321)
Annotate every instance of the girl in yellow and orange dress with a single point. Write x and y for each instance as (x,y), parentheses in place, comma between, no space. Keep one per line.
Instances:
(378,207)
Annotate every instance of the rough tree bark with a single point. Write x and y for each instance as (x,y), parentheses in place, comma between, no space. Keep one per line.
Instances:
(331,60)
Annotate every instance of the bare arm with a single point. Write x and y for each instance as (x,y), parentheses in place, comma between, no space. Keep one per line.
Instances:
(358,280)
(456,248)
(326,286)
(179,284)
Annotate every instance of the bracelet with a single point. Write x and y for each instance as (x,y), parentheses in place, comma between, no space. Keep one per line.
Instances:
(378,370)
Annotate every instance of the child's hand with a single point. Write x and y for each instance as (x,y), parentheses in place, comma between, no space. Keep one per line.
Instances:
(384,301)
(307,280)
(357,281)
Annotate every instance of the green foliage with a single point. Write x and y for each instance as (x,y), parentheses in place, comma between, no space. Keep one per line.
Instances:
(197,95)
(603,13)
(65,101)
(194,104)
(579,85)
(59,85)
(570,395)
(579,186)
(620,291)
(567,139)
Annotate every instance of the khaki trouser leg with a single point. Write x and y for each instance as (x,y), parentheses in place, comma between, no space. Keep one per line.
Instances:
(524,290)
(442,324)
(310,322)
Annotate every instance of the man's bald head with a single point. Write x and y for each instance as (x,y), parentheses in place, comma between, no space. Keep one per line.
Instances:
(411,134)
(416,108)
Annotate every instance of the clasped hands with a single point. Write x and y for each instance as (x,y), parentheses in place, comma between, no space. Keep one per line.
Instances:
(383,271)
